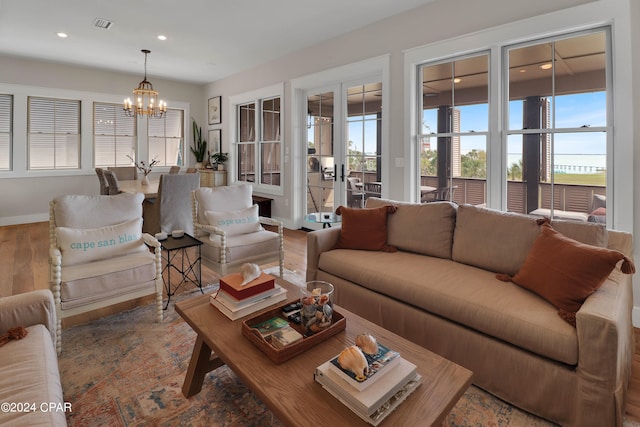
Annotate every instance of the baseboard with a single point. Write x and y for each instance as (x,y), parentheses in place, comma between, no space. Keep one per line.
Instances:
(24,219)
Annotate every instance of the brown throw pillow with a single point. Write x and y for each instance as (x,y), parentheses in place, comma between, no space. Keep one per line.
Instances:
(565,272)
(365,229)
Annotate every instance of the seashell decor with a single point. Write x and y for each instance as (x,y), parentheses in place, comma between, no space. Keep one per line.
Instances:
(353,359)
(249,272)
(367,343)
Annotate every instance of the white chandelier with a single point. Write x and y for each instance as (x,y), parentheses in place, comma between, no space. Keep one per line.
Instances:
(146,99)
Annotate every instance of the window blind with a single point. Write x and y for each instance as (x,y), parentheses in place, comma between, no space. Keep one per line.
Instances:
(6,109)
(54,133)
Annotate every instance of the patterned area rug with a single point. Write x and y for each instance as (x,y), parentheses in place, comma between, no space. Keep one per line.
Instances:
(128,370)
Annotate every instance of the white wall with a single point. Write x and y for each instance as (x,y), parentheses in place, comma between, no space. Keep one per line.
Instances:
(25,194)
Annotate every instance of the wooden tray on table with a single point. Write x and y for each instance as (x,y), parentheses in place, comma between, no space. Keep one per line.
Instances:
(279,355)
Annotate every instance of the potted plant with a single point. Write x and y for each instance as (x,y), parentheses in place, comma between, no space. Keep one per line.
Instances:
(219,159)
(199,147)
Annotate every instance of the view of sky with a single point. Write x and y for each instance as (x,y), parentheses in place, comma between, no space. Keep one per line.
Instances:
(571,111)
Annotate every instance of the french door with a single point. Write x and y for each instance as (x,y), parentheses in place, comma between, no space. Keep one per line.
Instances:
(343,149)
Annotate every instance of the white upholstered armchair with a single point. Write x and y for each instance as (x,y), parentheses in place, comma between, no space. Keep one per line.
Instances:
(99,256)
(227,222)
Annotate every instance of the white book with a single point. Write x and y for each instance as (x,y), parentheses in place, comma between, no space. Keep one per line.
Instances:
(368,401)
(244,311)
(234,304)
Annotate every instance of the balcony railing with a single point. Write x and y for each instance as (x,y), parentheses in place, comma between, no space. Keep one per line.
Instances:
(566,197)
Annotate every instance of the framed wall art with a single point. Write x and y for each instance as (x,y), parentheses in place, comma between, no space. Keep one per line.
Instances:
(214,140)
(215,110)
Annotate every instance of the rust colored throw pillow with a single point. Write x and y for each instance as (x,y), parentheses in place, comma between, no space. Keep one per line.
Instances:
(565,272)
(365,229)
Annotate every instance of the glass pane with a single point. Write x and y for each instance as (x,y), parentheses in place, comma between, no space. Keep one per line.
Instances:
(156,149)
(580,158)
(5,151)
(270,166)
(580,81)
(471,94)
(320,160)
(246,162)
(271,120)
(531,82)
(67,152)
(6,108)
(247,122)
(470,157)
(581,110)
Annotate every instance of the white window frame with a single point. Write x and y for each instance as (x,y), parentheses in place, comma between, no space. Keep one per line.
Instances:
(256,96)
(588,16)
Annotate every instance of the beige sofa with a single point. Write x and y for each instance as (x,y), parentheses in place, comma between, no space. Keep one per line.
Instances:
(440,290)
(29,377)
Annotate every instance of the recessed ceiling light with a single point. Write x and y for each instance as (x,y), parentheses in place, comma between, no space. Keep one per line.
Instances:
(523,70)
(457,80)
(62,35)
(546,66)
(161,37)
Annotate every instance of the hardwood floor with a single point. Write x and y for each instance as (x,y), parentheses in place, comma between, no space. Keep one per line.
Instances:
(24,267)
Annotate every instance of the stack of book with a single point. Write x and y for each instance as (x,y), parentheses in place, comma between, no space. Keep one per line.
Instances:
(236,301)
(389,381)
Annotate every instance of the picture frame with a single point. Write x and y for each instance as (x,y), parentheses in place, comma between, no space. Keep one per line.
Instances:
(215,138)
(215,110)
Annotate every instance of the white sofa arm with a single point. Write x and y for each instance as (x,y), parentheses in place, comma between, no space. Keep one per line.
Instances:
(28,309)
(319,241)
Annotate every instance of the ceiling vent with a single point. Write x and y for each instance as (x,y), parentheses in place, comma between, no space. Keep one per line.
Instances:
(105,24)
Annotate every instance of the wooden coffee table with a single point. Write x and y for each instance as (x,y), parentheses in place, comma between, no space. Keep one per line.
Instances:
(289,389)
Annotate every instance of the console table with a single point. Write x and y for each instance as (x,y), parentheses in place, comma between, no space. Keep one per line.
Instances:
(264,205)
(211,178)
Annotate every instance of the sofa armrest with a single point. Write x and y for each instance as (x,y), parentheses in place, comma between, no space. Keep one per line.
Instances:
(28,309)
(605,333)
(319,241)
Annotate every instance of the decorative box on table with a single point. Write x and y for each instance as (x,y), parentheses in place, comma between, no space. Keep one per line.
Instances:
(232,284)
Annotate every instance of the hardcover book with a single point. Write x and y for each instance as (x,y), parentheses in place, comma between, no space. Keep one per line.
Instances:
(231,284)
(234,314)
(379,364)
(235,304)
(375,403)
(285,336)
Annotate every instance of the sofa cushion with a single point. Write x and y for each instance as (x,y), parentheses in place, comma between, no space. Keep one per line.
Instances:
(80,211)
(240,221)
(364,229)
(463,294)
(85,283)
(584,232)
(423,228)
(565,272)
(29,374)
(493,240)
(81,245)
